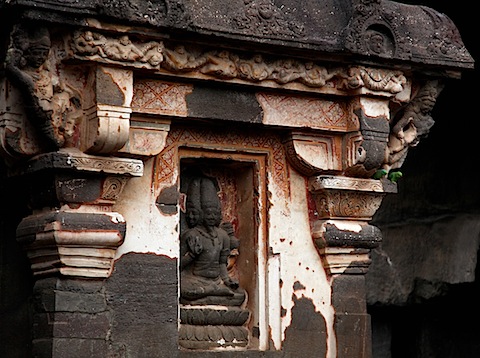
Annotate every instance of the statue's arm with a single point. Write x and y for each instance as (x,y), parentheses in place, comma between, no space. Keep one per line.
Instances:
(190,248)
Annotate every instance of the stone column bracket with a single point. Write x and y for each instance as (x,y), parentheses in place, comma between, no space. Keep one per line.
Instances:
(342,234)
(311,153)
(107,109)
(108,128)
(73,230)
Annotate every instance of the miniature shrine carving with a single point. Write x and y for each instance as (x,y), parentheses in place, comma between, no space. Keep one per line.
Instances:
(211,313)
(205,248)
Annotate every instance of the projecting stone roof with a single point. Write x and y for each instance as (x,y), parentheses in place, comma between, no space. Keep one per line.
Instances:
(367,30)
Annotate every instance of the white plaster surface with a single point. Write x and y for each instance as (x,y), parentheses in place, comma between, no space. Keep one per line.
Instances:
(374,107)
(291,258)
(148,230)
(291,242)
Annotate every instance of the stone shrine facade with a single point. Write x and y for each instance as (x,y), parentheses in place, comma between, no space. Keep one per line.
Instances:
(200,176)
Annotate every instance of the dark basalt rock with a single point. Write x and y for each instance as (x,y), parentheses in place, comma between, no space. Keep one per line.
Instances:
(368,30)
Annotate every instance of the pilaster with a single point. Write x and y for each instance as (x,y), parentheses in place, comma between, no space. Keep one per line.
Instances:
(344,238)
(71,238)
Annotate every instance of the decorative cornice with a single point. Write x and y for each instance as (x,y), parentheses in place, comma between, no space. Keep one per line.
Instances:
(373,28)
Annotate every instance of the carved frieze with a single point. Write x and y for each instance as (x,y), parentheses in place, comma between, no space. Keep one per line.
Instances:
(223,64)
(95,46)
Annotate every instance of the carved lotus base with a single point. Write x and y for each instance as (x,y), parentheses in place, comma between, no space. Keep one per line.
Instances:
(208,337)
(201,315)
(205,327)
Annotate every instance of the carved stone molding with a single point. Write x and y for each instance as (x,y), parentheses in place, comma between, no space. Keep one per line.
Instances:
(342,233)
(191,61)
(208,327)
(311,154)
(107,112)
(78,161)
(73,230)
(146,138)
(71,244)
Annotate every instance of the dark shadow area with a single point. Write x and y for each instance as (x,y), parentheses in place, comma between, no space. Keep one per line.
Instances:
(438,181)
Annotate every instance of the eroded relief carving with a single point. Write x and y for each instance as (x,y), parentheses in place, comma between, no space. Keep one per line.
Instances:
(52,105)
(373,30)
(411,124)
(95,45)
(228,65)
(262,17)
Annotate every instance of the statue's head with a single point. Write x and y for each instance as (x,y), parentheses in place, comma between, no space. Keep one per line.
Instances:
(39,46)
(193,215)
(210,203)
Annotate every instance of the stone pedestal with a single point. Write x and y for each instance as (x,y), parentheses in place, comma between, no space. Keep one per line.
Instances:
(213,327)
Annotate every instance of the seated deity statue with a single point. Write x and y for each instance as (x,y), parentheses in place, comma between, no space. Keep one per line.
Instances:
(205,249)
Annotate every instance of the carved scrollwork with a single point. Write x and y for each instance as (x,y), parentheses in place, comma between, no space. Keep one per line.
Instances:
(113,187)
(228,65)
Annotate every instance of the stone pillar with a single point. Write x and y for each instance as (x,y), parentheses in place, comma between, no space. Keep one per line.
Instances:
(71,238)
(344,239)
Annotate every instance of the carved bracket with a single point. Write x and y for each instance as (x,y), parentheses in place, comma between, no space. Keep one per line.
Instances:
(108,110)
(342,234)
(73,230)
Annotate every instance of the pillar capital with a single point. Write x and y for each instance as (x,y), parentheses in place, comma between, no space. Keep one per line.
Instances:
(73,229)
(341,232)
